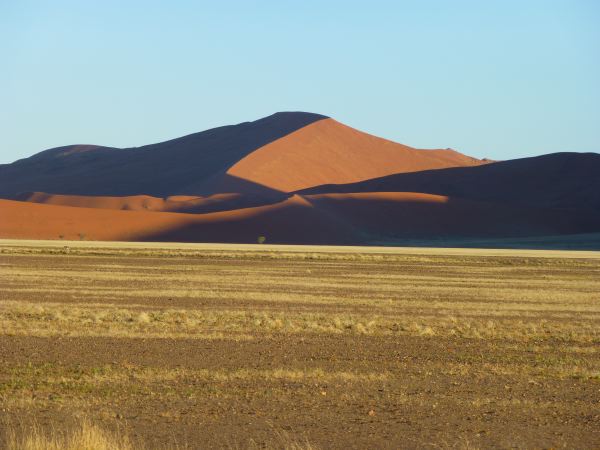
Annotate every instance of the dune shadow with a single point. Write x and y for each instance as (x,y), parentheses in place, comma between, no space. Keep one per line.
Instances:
(280,223)
(178,166)
(231,193)
(225,183)
(559,180)
(356,221)
(455,218)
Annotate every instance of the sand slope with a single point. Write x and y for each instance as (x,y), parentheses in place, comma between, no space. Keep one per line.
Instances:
(292,220)
(354,218)
(327,151)
(282,152)
(387,215)
(176,203)
(175,167)
(559,180)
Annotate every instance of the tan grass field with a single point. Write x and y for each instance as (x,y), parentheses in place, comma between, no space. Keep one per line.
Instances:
(137,345)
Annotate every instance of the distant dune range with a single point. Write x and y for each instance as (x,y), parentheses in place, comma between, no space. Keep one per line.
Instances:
(293,178)
(558,180)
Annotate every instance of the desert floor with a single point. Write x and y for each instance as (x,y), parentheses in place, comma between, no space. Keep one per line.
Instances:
(193,346)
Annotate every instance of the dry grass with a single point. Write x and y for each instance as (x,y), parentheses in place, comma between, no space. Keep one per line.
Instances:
(87,436)
(267,251)
(84,436)
(50,378)
(253,348)
(470,297)
(56,319)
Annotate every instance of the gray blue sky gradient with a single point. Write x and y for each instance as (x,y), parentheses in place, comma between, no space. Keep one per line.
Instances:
(498,79)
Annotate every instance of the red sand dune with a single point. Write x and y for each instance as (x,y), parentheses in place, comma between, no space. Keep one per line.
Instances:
(178,166)
(292,220)
(355,218)
(176,203)
(133,203)
(327,151)
(349,188)
(283,152)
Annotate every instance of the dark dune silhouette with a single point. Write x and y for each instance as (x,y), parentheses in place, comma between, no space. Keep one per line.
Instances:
(386,216)
(559,180)
(175,167)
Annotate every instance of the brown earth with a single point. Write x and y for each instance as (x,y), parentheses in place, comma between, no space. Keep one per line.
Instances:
(226,349)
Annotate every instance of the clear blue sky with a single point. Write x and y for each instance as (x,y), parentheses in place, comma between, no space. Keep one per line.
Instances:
(499,79)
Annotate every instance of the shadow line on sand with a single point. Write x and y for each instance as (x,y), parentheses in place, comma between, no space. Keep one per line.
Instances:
(329,220)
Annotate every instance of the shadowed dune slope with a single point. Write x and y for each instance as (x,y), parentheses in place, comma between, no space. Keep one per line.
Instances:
(559,180)
(283,152)
(178,166)
(358,218)
(388,215)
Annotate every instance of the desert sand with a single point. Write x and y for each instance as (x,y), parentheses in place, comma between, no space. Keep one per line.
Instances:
(358,218)
(327,151)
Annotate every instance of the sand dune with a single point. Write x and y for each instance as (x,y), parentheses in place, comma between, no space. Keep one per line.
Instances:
(292,221)
(175,167)
(176,203)
(133,203)
(282,152)
(354,218)
(327,151)
(387,215)
(294,178)
(559,180)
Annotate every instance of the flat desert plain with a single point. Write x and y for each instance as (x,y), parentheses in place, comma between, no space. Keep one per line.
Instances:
(233,346)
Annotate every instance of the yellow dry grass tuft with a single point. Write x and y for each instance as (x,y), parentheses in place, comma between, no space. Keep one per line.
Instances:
(85,436)
(88,436)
